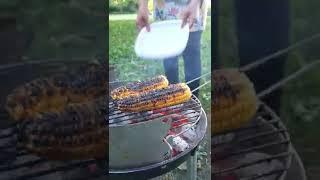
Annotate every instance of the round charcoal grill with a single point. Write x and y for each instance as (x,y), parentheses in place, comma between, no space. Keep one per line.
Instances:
(261,150)
(145,145)
(15,161)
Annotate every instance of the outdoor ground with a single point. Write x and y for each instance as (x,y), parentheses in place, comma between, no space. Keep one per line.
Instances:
(122,34)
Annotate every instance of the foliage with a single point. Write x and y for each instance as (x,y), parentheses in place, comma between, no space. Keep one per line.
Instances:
(122,6)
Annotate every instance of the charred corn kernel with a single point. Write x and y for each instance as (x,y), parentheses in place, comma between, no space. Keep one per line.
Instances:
(234,100)
(134,88)
(158,98)
(55,92)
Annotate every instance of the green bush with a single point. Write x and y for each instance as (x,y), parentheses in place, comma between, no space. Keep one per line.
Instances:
(113,8)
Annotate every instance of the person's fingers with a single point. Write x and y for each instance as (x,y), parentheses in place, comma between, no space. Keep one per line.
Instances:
(145,23)
(191,22)
(184,19)
(141,23)
(148,26)
(139,26)
(138,21)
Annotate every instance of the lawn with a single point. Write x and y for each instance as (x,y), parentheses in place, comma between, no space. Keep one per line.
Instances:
(117,17)
(122,34)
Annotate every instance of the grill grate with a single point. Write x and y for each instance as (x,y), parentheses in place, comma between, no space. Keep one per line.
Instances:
(260,150)
(190,114)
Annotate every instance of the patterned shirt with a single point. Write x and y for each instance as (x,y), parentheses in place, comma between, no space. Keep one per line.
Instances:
(171,9)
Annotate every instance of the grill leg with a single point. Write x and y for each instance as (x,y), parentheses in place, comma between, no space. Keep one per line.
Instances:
(192,166)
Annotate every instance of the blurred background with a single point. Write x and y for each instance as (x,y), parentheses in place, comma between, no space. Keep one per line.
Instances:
(53,29)
(301,97)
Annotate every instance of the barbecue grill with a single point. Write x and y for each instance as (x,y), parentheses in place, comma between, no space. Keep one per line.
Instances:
(261,150)
(16,162)
(149,144)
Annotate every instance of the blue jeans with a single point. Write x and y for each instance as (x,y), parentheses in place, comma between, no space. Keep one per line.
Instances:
(192,62)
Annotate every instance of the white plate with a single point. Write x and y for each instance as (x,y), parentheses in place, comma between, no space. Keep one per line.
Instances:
(165,39)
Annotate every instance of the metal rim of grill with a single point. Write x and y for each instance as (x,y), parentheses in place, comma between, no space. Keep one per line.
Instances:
(265,134)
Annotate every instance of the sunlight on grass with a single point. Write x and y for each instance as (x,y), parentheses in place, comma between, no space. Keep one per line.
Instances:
(117,17)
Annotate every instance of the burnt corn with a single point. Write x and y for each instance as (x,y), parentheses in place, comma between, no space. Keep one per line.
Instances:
(54,93)
(135,88)
(234,100)
(155,99)
(77,132)
(61,117)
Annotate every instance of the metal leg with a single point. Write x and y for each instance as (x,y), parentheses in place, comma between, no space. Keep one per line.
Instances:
(192,166)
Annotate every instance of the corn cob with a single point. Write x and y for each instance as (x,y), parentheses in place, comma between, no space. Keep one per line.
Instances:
(135,88)
(155,99)
(54,93)
(77,132)
(234,100)
(61,117)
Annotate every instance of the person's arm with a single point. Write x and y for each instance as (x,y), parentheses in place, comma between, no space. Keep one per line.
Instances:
(190,13)
(143,15)
(143,3)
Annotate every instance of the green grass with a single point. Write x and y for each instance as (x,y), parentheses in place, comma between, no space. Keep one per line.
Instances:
(129,67)
(117,17)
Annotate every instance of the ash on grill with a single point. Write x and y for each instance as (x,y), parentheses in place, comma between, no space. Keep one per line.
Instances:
(258,151)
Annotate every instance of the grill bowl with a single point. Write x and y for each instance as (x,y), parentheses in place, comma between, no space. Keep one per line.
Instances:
(145,142)
(237,150)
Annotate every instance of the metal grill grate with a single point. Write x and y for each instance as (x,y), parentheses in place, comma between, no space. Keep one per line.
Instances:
(260,150)
(190,109)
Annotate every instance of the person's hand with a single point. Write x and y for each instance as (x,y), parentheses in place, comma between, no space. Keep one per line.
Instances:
(143,18)
(188,15)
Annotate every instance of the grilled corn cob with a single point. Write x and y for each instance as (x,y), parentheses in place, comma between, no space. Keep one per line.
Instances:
(134,88)
(155,99)
(61,117)
(77,132)
(54,93)
(234,100)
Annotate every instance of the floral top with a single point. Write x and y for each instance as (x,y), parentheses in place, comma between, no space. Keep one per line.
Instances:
(171,9)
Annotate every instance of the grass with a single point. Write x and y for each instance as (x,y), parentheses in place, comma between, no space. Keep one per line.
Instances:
(122,34)
(117,17)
